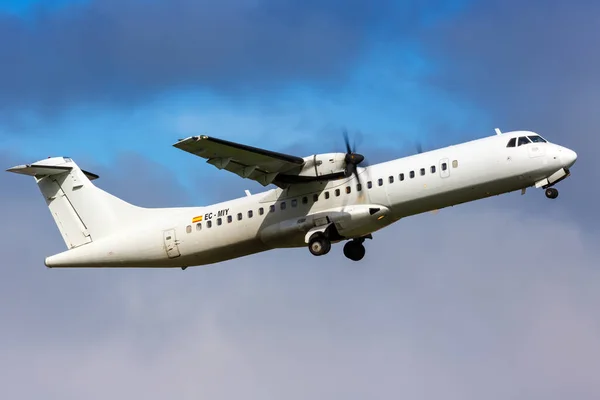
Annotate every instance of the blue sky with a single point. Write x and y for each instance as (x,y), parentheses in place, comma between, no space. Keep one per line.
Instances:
(494,299)
(378,84)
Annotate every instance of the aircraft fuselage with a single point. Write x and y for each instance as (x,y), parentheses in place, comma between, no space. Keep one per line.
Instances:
(280,218)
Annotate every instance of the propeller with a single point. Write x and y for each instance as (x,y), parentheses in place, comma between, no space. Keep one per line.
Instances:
(352,159)
(419,146)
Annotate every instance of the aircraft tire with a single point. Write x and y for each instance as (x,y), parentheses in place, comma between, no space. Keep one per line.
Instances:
(354,250)
(319,245)
(551,193)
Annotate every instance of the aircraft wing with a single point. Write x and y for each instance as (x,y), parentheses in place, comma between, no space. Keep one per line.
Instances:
(246,161)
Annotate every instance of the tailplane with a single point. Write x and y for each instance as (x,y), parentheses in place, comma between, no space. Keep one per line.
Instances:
(82,211)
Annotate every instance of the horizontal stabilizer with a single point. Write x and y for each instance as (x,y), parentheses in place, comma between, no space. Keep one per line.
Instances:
(38,170)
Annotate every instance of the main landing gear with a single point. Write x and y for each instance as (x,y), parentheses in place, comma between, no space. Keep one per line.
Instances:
(551,193)
(354,249)
(320,245)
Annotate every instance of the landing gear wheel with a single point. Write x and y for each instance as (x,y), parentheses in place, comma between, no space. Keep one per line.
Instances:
(354,250)
(319,245)
(551,193)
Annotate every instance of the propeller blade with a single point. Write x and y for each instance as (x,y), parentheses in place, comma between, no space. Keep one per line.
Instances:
(419,147)
(350,169)
(352,159)
(347,141)
(357,176)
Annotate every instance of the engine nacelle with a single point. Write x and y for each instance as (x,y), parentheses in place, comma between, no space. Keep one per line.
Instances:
(359,219)
(323,165)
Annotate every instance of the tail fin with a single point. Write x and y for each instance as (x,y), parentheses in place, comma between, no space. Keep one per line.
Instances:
(82,212)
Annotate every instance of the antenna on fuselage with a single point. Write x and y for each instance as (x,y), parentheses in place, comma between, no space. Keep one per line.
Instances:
(498,131)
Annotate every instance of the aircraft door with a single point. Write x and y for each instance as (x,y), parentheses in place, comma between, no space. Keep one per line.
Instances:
(444,168)
(171,243)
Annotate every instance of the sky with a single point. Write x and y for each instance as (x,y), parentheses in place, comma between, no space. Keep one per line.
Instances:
(496,298)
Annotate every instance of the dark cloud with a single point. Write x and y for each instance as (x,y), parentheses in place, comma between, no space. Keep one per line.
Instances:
(117,51)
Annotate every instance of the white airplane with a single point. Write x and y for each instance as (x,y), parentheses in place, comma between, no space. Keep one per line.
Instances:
(319,200)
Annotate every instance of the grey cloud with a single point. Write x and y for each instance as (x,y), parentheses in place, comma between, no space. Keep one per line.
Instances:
(468,303)
(35,300)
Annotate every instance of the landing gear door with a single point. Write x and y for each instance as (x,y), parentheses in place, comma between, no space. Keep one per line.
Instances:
(171,243)
(444,168)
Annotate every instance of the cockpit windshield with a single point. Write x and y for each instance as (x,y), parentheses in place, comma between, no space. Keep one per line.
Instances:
(537,139)
(515,142)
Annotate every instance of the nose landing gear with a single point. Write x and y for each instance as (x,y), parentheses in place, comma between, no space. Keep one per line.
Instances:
(551,193)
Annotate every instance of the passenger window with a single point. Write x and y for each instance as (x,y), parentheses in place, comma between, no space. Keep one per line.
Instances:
(250,213)
(272,208)
(294,203)
(219,221)
(326,195)
(199,226)
(261,211)
(348,189)
(455,164)
(239,216)
(523,140)
(305,200)
(283,205)
(433,169)
(391,178)
(422,171)
(337,192)
(401,177)
(412,174)
(369,184)
(444,166)
(380,182)
(358,187)
(315,197)
(209,224)
(188,229)
(512,142)
(229,218)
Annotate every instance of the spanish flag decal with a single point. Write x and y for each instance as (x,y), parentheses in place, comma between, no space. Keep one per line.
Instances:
(197,219)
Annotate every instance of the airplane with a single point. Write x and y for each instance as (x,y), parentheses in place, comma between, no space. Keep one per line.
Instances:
(319,200)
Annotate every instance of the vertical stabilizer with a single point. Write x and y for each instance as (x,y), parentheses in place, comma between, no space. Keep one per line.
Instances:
(82,212)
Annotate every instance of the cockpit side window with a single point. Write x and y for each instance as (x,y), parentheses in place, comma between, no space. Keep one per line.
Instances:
(523,140)
(512,142)
(537,139)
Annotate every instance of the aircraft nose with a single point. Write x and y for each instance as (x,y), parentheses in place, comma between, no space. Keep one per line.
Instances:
(568,157)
